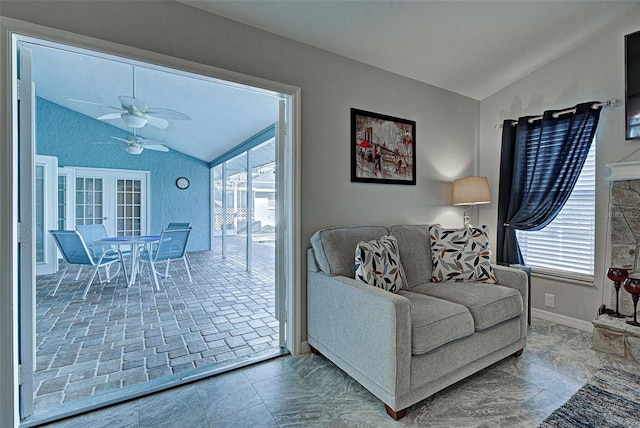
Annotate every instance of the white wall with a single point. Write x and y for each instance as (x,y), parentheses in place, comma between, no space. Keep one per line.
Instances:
(593,71)
(447,124)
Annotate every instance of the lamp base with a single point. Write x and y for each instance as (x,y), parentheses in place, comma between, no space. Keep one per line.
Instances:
(466,220)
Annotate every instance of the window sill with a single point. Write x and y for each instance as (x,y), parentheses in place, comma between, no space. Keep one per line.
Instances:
(566,277)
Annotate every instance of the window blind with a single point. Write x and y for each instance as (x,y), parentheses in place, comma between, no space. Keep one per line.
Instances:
(567,243)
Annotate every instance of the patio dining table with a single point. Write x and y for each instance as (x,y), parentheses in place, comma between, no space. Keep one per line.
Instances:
(135,242)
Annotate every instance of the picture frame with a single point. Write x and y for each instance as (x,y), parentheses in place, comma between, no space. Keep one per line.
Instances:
(383,148)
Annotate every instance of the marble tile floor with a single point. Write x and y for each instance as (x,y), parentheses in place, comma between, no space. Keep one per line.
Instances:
(310,391)
(121,336)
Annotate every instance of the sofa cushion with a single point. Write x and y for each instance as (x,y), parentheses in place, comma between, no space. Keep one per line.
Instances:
(461,254)
(334,247)
(489,304)
(415,252)
(436,322)
(378,264)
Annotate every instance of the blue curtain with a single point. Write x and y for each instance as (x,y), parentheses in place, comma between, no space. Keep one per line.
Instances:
(539,166)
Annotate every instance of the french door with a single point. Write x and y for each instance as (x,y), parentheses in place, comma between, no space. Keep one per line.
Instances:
(113,197)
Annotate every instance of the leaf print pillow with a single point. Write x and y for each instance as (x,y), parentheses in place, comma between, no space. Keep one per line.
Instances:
(378,264)
(461,255)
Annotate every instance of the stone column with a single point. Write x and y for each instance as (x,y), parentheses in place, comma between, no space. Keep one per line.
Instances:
(625,236)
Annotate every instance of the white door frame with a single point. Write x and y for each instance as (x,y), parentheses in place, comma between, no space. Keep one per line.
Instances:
(10,30)
(26,234)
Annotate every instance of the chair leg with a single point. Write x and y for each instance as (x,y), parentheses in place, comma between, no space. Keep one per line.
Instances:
(166,270)
(106,275)
(86,290)
(110,277)
(155,275)
(64,272)
(78,274)
(100,276)
(186,265)
(395,415)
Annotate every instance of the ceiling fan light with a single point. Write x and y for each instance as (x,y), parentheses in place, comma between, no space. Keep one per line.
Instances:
(133,121)
(134,150)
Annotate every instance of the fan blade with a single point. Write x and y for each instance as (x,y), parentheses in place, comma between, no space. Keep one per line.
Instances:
(150,141)
(131,103)
(157,147)
(83,101)
(106,142)
(167,114)
(121,139)
(109,116)
(91,102)
(158,122)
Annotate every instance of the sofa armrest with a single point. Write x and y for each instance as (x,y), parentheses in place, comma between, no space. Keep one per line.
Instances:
(364,330)
(518,279)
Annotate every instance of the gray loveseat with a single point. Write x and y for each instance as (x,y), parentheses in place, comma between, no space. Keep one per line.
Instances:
(407,346)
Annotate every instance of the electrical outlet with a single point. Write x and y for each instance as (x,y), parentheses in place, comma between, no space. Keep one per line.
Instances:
(550,300)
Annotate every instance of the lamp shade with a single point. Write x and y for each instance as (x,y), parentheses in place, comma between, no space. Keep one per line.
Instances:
(471,191)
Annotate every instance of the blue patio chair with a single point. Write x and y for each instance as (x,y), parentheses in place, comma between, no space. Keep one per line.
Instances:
(179,225)
(75,252)
(174,225)
(172,246)
(91,233)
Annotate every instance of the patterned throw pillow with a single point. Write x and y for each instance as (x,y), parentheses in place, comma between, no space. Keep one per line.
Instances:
(461,255)
(378,264)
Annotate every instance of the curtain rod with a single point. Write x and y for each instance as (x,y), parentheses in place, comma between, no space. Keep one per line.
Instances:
(613,102)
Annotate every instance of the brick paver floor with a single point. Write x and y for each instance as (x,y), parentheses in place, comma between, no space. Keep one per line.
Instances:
(121,336)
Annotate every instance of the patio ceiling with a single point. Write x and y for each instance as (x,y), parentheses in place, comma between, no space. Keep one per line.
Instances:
(222,115)
(260,156)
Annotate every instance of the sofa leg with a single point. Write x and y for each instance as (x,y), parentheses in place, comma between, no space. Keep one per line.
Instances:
(518,352)
(395,415)
(314,351)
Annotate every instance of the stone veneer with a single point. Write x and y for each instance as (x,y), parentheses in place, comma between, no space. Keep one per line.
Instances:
(614,335)
(625,236)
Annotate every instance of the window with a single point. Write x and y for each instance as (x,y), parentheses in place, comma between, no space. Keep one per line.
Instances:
(566,245)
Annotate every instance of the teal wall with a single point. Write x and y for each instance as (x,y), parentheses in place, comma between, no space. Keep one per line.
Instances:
(68,135)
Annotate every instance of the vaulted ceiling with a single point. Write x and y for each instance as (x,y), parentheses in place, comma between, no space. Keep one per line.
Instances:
(473,48)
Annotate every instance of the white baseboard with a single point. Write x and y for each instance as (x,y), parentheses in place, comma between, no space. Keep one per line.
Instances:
(562,319)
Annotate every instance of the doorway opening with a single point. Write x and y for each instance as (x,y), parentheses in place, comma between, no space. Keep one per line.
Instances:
(225,305)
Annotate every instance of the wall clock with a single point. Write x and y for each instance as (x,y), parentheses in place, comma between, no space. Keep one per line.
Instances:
(182,183)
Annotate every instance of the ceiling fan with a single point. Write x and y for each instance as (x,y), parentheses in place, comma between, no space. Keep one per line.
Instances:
(136,114)
(136,145)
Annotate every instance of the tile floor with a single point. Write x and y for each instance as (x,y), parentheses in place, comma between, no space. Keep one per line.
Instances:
(310,391)
(121,336)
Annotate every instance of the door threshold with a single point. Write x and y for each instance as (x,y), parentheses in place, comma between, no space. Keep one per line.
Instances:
(127,393)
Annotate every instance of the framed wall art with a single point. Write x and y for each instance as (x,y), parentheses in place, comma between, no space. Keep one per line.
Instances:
(383,148)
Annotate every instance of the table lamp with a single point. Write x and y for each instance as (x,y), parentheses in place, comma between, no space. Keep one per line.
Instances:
(471,191)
